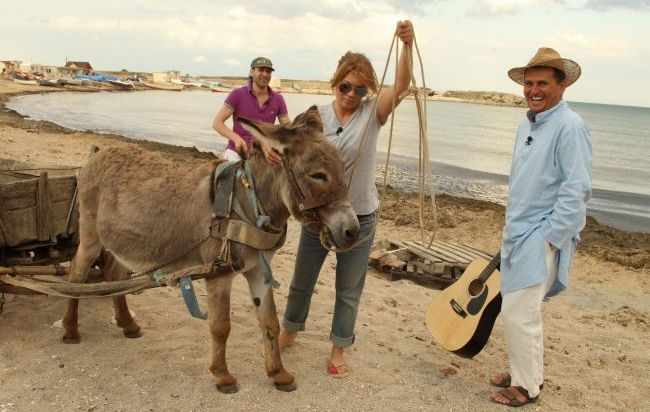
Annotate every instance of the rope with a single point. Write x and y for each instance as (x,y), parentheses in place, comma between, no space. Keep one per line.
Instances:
(424,173)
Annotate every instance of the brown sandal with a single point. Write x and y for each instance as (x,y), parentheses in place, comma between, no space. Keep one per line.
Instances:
(503,380)
(511,396)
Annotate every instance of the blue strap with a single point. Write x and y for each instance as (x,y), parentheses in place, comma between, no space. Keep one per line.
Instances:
(190,298)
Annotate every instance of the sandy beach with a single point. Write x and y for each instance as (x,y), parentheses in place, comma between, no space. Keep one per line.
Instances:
(596,332)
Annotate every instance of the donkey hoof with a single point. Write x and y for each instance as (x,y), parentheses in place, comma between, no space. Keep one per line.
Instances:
(133,335)
(71,340)
(228,388)
(285,387)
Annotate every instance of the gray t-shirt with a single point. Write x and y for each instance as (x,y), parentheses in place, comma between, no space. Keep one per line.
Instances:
(362,191)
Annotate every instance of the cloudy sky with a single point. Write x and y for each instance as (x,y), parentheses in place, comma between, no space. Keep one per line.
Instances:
(465,44)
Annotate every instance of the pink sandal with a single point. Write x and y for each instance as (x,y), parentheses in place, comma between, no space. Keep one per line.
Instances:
(340,371)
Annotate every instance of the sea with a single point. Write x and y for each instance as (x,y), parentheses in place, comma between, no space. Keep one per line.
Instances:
(470,145)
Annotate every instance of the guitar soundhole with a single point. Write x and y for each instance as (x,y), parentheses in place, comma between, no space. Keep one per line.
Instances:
(475,287)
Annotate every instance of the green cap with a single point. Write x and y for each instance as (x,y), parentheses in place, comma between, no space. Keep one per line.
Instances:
(262,62)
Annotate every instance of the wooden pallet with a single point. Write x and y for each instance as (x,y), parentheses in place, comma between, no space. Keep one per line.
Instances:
(441,262)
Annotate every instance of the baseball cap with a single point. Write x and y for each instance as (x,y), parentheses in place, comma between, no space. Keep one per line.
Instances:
(262,62)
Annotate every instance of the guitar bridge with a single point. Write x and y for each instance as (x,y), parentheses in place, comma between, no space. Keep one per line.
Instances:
(457,308)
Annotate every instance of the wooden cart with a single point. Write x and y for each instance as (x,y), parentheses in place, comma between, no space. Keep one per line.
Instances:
(38,217)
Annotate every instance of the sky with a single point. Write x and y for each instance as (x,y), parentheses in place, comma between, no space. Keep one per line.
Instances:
(463,44)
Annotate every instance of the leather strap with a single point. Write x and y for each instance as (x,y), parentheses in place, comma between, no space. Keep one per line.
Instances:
(247,234)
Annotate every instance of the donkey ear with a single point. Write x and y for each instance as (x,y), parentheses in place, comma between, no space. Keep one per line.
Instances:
(311,118)
(263,133)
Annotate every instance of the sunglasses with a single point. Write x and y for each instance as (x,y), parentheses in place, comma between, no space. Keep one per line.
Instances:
(346,88)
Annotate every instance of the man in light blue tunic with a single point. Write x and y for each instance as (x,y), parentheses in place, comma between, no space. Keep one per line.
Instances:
(550,183)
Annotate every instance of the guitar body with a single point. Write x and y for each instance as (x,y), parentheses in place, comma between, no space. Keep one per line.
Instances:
(462,316)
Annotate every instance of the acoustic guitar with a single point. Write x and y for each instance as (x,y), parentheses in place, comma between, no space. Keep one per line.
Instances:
(461,317)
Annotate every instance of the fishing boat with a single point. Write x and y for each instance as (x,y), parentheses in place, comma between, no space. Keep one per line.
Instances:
(48,83)
(75,82)
(164,86)
(99,77)
(22,81)
(121,84)
(185,83)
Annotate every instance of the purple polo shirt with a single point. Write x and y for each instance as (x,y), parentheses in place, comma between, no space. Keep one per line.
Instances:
(243,103)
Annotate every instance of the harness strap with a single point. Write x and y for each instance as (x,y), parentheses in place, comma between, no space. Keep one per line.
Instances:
(224,177)
(303,202)
(190,298)
(247,234)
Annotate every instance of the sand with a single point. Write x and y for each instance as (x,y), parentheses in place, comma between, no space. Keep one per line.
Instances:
(596,332)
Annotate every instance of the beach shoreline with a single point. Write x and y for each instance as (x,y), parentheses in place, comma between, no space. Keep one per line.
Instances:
(596,355)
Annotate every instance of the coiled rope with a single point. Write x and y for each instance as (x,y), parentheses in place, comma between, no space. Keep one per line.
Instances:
(425,178)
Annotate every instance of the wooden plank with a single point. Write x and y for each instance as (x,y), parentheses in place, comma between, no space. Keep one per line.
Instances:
(459,249)
(6,235)
(478,251)
(22,225)
(62,188)
(439,254)
(443,247)
(43,209)
(423,253)
(462,256)
(19,195)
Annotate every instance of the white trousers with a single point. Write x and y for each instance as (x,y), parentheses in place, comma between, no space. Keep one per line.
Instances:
(521,312)
(231,155)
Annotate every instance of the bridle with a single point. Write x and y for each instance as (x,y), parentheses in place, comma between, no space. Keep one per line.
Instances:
(308,205)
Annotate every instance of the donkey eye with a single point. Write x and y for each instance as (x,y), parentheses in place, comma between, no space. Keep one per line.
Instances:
(319,176)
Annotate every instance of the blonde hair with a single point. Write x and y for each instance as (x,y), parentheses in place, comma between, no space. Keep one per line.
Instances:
(360,65)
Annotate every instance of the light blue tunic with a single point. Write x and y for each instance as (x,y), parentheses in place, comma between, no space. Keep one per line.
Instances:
(550,183)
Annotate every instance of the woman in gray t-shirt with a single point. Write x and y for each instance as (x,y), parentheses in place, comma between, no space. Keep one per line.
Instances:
(344,121)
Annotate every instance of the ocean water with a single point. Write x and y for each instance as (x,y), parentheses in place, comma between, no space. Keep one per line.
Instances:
(470,145)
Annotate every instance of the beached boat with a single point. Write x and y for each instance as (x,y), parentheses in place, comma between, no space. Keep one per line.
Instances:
(48,83)
(164,86)
(22,81)
(219,89)
(75,82)
(185,83)
(99,77)
(121,84)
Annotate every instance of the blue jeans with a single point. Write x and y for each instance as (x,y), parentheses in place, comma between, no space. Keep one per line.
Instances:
(351,267)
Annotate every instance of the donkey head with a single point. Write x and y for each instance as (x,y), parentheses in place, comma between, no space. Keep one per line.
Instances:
(311,180)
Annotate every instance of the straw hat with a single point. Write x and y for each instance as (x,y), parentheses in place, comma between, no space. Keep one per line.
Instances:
(547,57)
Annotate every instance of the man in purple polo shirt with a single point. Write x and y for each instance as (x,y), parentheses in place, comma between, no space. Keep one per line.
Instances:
(257,101)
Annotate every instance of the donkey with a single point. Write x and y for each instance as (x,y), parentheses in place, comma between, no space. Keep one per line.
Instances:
(151,213)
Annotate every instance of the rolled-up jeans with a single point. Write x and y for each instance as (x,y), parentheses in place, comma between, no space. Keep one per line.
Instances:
(351,268)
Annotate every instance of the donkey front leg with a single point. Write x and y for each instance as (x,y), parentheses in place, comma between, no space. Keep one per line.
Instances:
(113,270)
(262,295)
(218,290)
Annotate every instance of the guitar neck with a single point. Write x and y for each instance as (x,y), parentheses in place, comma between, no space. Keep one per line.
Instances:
(489,269)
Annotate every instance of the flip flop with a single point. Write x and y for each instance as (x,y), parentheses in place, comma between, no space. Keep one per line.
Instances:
(512,398)
(340,371)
